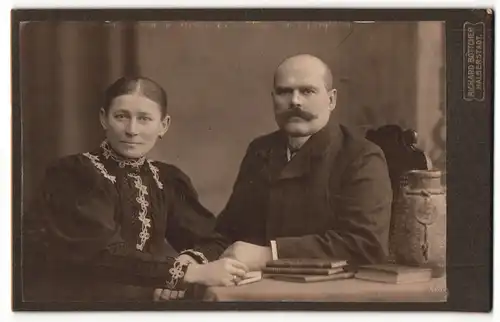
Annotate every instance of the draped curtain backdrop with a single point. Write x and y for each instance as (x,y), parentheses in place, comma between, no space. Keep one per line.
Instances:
(64,68)
(218,76)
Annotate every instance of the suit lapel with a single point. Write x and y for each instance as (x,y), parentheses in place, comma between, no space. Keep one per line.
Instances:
(298,166)
(277,159)
(327,139)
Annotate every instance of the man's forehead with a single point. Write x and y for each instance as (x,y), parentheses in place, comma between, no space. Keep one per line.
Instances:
(306,69)
(299,76)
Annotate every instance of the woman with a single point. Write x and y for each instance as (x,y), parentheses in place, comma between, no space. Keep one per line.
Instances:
(113,222)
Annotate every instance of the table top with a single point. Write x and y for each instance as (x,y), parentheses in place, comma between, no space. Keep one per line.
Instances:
(349,290)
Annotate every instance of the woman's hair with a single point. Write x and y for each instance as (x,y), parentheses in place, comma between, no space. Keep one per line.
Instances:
(132,85)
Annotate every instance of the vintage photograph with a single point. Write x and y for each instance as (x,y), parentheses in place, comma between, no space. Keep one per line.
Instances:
(233,161)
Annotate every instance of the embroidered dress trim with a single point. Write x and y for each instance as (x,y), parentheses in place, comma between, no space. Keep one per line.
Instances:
(200,258)
(155,172)
(95,160)
(176,273)
(108,153)
(146,222)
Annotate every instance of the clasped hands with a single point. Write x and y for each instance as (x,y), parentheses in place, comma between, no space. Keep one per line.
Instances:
(229,269)
(253,256)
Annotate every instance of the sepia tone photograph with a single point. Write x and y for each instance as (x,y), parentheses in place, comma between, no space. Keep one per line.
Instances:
(233,161)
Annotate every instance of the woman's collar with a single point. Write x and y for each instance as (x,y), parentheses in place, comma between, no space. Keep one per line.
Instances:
(109,153)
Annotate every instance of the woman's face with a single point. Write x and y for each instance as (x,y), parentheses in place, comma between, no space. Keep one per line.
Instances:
(133,123)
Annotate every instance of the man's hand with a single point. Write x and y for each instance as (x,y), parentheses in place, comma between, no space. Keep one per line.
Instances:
(254,256)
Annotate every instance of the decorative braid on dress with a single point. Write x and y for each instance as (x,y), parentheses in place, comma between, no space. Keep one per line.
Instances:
(96,162)
(141,199)
(175,287)
(107,152)
(198,256)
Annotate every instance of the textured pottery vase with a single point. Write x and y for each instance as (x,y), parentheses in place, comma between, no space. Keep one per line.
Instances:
(419,222)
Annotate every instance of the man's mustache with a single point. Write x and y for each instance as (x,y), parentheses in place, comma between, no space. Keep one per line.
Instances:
(296,112)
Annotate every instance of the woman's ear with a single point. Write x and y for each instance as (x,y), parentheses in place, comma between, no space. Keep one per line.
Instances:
(165,124)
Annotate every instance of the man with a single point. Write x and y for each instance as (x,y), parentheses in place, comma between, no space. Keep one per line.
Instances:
(312,189)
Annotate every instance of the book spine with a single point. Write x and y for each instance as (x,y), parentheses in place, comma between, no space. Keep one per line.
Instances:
(296,270)
(300,265)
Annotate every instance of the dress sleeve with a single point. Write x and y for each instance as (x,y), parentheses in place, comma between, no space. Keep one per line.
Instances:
(189,221)
(228,226)
(79,211)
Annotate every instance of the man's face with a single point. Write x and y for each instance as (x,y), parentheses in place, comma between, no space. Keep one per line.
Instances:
(302,103)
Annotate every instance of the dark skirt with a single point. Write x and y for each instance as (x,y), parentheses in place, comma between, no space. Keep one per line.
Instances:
(75,285)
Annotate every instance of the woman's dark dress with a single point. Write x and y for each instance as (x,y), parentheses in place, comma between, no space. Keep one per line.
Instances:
(109,229)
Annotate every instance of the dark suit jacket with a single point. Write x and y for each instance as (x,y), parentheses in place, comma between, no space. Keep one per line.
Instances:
(333,199)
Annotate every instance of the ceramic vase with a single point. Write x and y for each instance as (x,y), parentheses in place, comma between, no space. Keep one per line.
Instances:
(419,222)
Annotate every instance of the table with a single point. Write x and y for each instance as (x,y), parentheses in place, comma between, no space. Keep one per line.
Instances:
(349,290)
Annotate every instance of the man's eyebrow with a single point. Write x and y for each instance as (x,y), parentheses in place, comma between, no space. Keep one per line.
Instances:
(282,88)
(300,87)
(307,87)
(144,113)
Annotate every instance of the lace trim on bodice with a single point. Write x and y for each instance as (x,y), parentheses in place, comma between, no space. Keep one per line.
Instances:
(142,190)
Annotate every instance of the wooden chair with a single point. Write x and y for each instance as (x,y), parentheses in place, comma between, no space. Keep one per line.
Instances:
(402,155)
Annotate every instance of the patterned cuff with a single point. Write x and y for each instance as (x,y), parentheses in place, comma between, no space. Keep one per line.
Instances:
(177,273)
(198,256)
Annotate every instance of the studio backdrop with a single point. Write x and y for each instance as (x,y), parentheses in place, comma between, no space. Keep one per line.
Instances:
(218,76)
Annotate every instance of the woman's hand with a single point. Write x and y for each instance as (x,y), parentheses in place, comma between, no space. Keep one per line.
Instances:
(223,272)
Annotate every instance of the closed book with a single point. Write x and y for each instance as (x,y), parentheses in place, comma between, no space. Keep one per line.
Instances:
(301,270)
(309,278)
(393,273)
(307,263)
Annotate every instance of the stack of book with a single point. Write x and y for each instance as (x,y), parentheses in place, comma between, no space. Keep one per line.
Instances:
(393,273)
(306,270)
